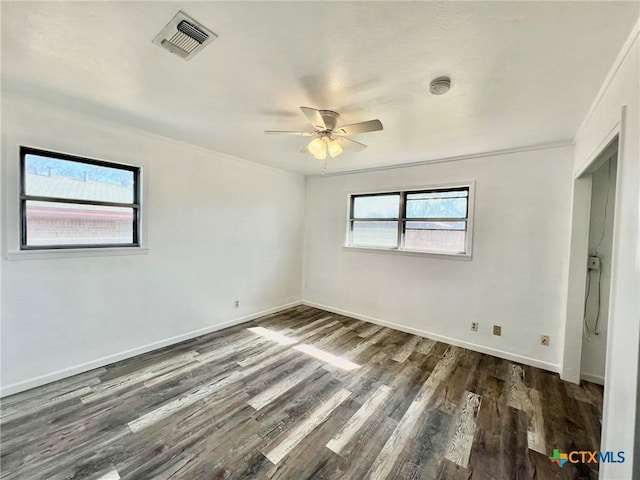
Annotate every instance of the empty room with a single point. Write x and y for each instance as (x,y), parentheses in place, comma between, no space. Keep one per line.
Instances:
(320,240)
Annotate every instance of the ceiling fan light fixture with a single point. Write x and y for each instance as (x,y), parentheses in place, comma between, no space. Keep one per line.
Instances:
(335,148)
(321,155)
(316,146)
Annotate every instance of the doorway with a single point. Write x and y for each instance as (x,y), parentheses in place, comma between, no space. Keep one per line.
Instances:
(588,304)
(598,277)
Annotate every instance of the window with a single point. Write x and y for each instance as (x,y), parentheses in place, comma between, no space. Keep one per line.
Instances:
(434,220)
(72,202)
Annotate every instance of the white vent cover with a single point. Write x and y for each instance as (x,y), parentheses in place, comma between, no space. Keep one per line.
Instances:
(184,36)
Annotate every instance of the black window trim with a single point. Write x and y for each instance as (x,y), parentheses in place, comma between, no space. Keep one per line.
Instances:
(402,218)
(24,151)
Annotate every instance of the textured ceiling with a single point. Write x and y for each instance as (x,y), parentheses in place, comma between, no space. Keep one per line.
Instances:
(523,73)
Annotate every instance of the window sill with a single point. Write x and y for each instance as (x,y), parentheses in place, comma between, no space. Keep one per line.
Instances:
(74,252)
(414,253)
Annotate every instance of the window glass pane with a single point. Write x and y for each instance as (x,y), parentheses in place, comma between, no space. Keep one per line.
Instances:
(52,177)
(376,206)
(374,234)
(54,224)
(438,194)
(446,237)
(446,204)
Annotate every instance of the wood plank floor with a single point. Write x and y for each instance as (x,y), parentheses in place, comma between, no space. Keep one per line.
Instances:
(298,395)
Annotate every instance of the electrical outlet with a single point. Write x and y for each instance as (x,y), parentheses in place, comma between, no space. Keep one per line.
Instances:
(236,304)
(593,263)
(544,340)
(474,326)
(497,330)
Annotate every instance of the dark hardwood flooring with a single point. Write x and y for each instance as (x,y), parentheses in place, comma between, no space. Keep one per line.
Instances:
(302,394)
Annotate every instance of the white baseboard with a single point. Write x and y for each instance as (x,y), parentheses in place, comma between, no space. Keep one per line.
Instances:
(552,367)
(590,377)
(101,362)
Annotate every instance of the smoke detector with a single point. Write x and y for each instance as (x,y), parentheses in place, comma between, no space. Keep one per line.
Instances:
(184,36)
(440,85)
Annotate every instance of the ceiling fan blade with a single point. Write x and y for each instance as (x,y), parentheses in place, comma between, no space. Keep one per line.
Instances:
(283,132)
(362,127)
(349,144)
(314,117)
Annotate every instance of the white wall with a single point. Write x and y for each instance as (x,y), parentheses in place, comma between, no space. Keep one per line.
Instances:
(594,343)
(617,108)
(220,229)
(516,278)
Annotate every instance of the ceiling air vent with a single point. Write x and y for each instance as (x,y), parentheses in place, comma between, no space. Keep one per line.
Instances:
(184,36)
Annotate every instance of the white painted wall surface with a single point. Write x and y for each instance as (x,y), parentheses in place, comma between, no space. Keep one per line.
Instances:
(220,229)
(516,278)
(621,89)
(594,343)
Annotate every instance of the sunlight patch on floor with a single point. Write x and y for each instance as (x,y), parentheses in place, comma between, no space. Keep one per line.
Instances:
(305,348)
(271,335)
(326,357)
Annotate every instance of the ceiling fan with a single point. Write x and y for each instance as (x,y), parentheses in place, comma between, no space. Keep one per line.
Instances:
(327,136)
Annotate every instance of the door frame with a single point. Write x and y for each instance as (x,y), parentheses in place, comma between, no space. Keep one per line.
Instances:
(579,251)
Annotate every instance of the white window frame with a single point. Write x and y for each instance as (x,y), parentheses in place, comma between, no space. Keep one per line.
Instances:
(400,249)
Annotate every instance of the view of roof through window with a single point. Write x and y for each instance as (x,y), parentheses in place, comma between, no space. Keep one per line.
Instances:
(52,222)
(432,220)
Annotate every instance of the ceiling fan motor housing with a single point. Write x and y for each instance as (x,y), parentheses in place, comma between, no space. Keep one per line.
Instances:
(330,118)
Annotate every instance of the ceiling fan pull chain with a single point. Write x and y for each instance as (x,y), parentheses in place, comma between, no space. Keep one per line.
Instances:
(324,166)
